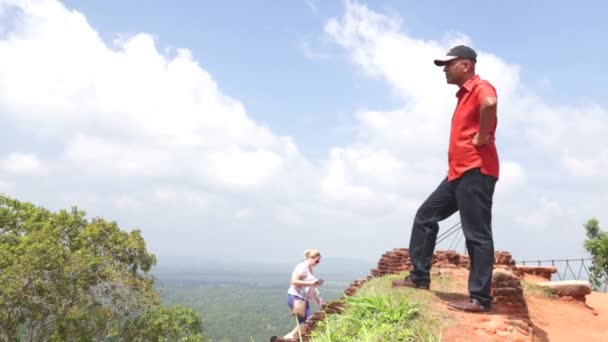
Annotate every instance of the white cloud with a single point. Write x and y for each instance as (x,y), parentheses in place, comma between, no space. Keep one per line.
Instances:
(543,211)
(242,169)
(105,155)
(130,109)
(126,202)
(6,186)
(244,213)
(552,142)
(512,178)
(131,127)
(184,198)
(544,84)
(595,166)
(312,5)
(310,52)
(289,216)
(22,163)
(166,195)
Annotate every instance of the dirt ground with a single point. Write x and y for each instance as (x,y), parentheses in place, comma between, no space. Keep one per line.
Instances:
(544,319)
(560,320)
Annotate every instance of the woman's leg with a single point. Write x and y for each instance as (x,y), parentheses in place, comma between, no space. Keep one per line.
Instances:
(301,320)
(293,333)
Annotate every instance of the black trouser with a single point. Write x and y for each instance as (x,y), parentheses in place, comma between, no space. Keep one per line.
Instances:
(471,195)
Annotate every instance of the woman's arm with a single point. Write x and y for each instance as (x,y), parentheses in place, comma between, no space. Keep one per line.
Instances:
(317,296)
(296,279)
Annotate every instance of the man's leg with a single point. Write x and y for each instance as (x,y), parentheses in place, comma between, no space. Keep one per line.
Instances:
(474,192)
(440,205)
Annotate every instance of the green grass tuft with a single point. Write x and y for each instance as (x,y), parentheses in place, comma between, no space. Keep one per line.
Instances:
(379,312)
(535,290)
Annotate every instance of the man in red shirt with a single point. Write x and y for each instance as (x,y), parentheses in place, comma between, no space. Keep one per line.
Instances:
(468,187)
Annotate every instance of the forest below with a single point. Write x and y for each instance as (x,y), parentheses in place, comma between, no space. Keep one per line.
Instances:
(245,301)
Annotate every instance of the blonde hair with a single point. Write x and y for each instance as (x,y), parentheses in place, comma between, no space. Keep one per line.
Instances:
(311,253)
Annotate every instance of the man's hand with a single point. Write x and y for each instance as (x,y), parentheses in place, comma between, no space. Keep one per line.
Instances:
(478,141)
(320,301)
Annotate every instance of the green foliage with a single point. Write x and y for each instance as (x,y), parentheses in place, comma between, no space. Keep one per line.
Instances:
(535,290)
(240,301)
(235,313)
(63,278)
(379,312)
(597,245)
(164,324)
(374,318)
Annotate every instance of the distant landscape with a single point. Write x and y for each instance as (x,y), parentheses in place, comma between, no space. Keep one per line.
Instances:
(240,301)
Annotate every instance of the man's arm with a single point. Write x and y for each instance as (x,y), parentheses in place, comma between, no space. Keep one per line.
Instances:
(487,115)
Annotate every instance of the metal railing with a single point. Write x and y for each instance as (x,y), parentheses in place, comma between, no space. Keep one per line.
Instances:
(565,267)
(455,229)
(455,232)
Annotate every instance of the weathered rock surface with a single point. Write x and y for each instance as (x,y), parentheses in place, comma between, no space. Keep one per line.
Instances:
(568,288)
(539,271)
(503,258)
(507,288)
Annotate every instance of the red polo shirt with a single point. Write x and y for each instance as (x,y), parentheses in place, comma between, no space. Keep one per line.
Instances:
(462,154)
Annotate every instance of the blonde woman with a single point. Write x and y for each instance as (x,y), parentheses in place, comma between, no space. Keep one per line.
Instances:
(303,286)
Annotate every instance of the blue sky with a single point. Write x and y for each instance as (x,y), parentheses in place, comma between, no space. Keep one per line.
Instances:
(256,129)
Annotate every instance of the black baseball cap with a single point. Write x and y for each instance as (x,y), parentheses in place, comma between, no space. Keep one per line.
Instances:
(460,51)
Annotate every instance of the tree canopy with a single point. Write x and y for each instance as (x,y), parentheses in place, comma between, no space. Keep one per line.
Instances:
(597,245)
(66,278)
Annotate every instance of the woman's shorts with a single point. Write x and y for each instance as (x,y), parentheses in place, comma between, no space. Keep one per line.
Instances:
(290,299)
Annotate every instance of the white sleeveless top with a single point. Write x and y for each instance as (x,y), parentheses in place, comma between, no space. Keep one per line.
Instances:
(305,275)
